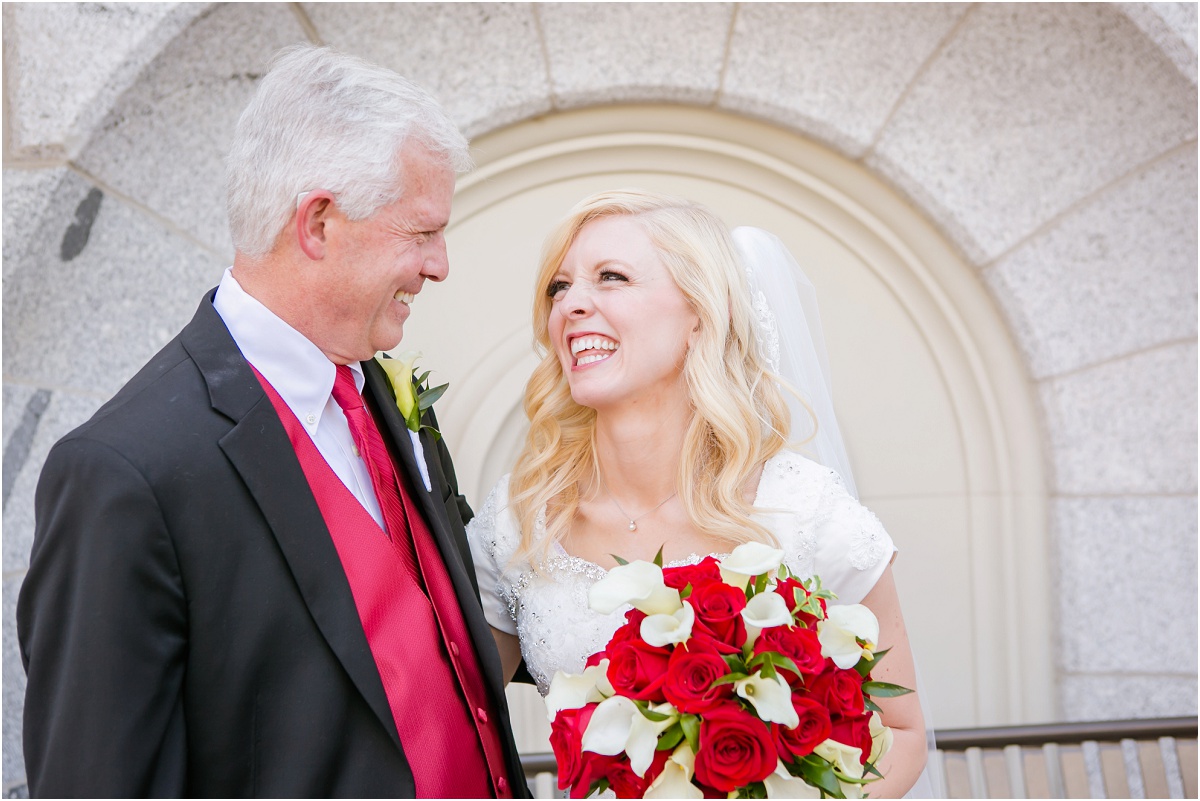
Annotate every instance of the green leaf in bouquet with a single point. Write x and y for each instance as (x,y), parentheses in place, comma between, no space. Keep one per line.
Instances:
(819,773)
(430,396)
(669,738)
(729,679)
(871,705)
(881,689)
(753,790)
(690,724)
(749,588)
(650,714)
(618,559)
(871,769)
(658,556)
(865,666)
(598,787)
(736,664)
(760,584)
(782,572)
(686,592)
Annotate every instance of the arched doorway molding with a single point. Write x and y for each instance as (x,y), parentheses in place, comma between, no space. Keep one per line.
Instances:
(994,412)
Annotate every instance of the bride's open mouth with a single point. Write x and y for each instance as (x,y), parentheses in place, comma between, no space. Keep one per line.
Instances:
(592,348)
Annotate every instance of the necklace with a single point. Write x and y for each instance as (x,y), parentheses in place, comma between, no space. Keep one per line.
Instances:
(632,520)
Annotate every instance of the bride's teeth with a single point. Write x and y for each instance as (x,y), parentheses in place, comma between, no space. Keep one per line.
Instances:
(591,343)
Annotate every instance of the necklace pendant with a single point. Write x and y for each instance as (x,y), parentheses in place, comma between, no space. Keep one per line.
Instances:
(632,526)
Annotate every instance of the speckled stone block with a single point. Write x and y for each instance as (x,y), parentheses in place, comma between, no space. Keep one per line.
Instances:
(14,688)
(482,61)
(65,64)
(1115,276)
(1127,697)
(1029,109)
(1171,26)
(1127,426)
(1127,584)
(62,413)
(164,143)
(102,288)
(616,52)
(26,194)
(830,70)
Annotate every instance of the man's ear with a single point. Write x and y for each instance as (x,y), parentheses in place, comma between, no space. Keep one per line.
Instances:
(312,214)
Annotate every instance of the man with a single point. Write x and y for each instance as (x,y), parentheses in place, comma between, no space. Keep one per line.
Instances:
(247,578)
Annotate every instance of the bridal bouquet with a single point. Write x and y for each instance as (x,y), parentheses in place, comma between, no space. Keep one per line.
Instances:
(730,678)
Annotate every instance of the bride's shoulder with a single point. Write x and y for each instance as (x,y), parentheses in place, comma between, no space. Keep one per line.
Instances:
(494,526)
(792,481)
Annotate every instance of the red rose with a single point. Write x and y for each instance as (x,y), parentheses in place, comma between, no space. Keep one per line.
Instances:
(839,690)
(566,738)
(595,767)
(719,610)
(679,577)
(690,673)
(799,645)
(854,731)
(735,749)
(624,782)
(814,728)
(637,669)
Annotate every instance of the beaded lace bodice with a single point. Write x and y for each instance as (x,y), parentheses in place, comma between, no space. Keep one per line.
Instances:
(821,528)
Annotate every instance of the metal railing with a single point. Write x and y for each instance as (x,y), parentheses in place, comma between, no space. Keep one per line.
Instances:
(1150,758)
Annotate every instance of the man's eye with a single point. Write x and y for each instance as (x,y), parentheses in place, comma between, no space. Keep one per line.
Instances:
(556,289)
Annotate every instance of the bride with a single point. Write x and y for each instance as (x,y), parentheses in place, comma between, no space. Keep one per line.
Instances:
(656,422)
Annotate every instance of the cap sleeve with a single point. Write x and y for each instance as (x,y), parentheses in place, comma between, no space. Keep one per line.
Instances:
(852,546)
(493,536)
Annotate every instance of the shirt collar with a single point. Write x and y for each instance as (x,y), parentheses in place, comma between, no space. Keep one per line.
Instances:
(297,369)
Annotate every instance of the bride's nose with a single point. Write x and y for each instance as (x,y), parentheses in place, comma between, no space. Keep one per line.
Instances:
(578,301)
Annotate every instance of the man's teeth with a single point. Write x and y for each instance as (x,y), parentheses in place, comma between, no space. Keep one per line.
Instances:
(592,343)
(404,297)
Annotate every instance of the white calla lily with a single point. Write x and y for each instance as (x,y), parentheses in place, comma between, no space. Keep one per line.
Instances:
(618,725)
(675,780)
(643,736)
(661,630)
(771,698)
(845,758)
(637,583)
(573,690)
(840,631)
(881,738)
(608,730)
(782,784)
(764,610)
(749,559)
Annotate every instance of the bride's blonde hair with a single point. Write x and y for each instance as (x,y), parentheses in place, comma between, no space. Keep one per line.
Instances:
(739,417)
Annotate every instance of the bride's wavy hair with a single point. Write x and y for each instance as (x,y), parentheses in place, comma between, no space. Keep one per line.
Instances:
(739,417)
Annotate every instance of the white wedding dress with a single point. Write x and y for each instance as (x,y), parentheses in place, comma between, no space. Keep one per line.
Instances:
(822,529)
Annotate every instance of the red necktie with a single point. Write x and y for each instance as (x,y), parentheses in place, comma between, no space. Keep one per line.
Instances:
(379,465)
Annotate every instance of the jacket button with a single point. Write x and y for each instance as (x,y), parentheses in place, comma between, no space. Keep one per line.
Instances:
(453,649)
(481,714)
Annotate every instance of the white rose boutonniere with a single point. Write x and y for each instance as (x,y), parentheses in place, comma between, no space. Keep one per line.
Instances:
(412,398)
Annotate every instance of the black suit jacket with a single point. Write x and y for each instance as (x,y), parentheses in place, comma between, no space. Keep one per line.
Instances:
(186,624)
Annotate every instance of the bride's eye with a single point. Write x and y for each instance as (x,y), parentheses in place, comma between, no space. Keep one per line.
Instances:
(609,276)
(557,289)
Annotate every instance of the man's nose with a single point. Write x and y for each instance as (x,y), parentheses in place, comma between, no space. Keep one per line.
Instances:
(436,265)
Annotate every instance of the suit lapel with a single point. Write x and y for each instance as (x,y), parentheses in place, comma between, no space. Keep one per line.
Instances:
(258,448)
(451,539)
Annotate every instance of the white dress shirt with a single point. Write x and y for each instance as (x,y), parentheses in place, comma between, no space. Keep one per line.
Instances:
(303,376)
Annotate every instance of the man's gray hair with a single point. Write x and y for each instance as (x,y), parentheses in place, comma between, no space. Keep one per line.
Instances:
(325,120)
